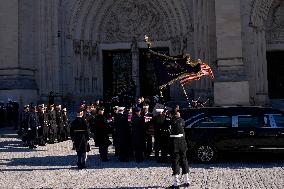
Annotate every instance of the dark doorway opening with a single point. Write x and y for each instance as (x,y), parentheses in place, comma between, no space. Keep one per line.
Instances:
(117,71)
(148,79)
(275,69)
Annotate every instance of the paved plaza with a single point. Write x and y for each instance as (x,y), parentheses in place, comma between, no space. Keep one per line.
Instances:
(54,166)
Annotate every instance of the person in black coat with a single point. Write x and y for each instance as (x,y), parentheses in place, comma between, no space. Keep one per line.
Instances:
(33,125)
(52,124)
(123,135)
(80,137)
(101,130)
(138,135)
(162,135)
(178,148)
(43,125)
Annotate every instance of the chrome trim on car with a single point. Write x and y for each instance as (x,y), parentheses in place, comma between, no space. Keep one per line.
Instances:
(194,117)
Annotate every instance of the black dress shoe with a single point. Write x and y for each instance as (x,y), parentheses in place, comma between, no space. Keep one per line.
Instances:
(186,185)
(174,187)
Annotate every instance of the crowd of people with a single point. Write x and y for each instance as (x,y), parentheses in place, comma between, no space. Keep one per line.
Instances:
(42,124)
(9,113)
(133,130)
(138,131)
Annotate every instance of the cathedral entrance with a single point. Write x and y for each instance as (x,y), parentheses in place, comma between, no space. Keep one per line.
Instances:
(275,68)
(117,72)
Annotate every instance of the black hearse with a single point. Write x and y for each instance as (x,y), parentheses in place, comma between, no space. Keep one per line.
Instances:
(210,131)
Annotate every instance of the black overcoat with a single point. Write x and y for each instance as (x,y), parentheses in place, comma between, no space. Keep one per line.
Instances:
(80,135)
(138,132)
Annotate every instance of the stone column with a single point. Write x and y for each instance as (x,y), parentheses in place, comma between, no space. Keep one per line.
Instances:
(231,86)
(135,65)
(17,78)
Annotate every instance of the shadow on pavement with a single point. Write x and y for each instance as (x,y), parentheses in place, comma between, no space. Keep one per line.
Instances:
(15,146)
(244,160)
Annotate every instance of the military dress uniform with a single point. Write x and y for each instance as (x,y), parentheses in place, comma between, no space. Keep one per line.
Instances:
(123,136)
(149,133)
(162,135)
(60,126)
(138,136)
(80,137)
(101,130)
(178,147)
(52,126)
(33,125)
(24,121)
(42,129)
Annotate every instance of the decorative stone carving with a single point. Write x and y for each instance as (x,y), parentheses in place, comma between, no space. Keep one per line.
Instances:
(259,12)
(77,46)
(275,24)
(133,18)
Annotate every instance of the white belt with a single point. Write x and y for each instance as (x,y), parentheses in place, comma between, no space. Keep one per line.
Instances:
(176,136)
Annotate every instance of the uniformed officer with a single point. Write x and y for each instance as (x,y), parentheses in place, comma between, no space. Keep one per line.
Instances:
(80,137)
(59,123)
(149,130)
(123,135)
(161,135)
(52,124)
(138,134)
(178,147)
(33,125)
(24,119)
(66,124)
(43,125)
(101,130)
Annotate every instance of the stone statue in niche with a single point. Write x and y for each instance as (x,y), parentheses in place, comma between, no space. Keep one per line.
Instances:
(77,46)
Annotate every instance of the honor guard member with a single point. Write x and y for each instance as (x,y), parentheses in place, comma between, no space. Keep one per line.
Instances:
(92,125)
(59,123)
(80,137)
(178,147)
(149,130)
(24,122)
(33,126)
(138,135)
(43,125)
(52,124)
(123,135)
(101,134)
(66,124)
(159,121)
(113,122)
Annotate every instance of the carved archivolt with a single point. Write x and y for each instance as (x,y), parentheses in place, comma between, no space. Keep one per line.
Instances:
(132,18)
(275,23)
(259,12)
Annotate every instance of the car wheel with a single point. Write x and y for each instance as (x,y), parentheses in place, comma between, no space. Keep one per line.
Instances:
(205,153)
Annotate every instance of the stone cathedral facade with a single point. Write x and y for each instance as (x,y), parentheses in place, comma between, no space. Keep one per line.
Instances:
(74,47)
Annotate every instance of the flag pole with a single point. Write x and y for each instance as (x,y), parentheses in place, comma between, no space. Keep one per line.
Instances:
(186,96)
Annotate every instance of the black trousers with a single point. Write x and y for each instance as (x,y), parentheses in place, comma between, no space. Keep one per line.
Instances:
(81,158)
(179,160)
(103,150)
(149,145)
(139,155)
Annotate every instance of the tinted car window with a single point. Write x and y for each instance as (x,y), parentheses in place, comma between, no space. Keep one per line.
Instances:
(214,121)
(250,121)
(279,119)
(223,121)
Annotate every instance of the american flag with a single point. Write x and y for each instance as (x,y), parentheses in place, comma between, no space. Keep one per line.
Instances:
(205,70)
